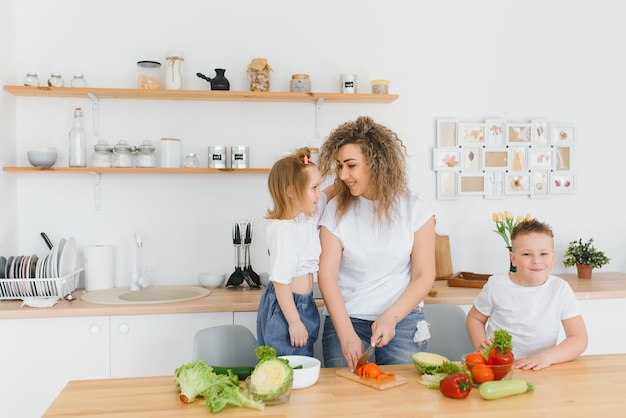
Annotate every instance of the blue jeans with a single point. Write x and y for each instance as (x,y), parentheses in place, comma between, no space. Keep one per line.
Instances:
(398,351)
(272,328)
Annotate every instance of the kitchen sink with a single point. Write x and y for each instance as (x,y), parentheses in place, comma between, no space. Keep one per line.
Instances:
(154,294)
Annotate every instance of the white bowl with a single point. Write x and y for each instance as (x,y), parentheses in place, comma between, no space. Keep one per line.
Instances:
(212,280)
(43,157)
(308,374)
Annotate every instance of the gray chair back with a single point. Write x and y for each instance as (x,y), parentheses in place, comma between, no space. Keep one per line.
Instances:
(448,332)
(225,346)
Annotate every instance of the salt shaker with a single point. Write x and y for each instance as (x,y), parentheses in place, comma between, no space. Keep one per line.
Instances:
(191,161)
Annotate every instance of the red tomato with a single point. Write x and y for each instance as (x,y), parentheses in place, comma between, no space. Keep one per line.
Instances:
(500,356)
(474,358)
(482,373)
(369,370)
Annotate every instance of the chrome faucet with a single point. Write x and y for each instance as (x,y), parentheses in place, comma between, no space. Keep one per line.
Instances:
(139,278)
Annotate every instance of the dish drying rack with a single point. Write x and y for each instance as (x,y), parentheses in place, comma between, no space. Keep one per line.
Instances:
(48,287)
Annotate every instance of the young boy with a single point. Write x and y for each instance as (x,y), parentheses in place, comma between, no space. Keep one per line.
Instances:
(530,304)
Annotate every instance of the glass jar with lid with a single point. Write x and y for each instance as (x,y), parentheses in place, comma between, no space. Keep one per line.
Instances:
(122,155)
(191,161)
(56,80)
(31,80)
(101,156)
(145,157)
(78,81)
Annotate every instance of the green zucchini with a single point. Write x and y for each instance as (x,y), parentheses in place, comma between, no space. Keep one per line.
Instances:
(240,371)
(497,389)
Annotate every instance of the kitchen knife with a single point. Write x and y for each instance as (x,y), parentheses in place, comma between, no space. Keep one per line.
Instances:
(368,353)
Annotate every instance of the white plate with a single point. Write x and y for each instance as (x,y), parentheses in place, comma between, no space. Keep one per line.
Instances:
(67,258)
(52,258)
(60,247)
(3,265)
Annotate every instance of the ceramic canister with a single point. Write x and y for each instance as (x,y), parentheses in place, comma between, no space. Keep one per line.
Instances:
(171,152)
(218,157)
(239,157)
(348,83)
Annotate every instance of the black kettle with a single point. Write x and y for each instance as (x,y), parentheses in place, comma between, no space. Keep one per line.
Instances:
(219,82)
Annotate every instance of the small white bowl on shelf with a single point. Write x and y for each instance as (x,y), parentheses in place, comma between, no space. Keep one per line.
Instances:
(212,280)
(42,157)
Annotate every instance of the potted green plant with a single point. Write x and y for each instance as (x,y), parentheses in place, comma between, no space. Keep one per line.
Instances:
(585,257)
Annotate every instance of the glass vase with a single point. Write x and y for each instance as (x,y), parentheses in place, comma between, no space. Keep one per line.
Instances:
(512,268)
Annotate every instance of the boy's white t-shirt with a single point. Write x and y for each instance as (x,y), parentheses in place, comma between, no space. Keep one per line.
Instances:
(294,245)
(532,315)
(376,262)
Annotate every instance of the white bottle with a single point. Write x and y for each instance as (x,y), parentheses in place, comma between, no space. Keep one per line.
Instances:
(78,141)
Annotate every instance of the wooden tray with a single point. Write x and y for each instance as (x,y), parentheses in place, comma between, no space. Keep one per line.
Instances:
(468,279)
(372,382)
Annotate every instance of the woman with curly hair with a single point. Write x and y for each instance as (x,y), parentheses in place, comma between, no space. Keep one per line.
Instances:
(378,249)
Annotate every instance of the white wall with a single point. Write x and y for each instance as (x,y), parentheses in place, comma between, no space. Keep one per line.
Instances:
(559,60)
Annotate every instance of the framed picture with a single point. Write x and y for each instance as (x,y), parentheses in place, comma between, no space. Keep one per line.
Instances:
(518,133)
(446,185)
(446,132)
(494,185)
(471,158)
(471,133)
(562,159)
(495,158)
(471,184)
(562,182)
(446,159)
(539,183)
(517,183)
(540,158)
(517,159)
(561,135)
(494,133)
(539,133)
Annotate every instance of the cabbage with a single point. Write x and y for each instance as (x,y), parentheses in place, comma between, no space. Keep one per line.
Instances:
(428,363)
(192,379)
(271,378)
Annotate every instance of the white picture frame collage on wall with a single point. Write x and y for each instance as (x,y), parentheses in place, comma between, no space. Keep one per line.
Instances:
(496,158)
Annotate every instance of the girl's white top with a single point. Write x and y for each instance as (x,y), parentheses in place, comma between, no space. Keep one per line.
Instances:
(532,315)
(294,245)
(376,262)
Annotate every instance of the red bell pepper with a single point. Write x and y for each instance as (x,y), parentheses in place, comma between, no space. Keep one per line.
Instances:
(499,355)
(455,385)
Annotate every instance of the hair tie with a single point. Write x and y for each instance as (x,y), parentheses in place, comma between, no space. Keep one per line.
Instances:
(305,160)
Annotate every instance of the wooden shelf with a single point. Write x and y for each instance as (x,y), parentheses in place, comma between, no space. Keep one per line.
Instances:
(140,170)
(207,95)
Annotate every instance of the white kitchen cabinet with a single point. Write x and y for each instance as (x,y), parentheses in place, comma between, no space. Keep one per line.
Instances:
(39,356)
(155,345)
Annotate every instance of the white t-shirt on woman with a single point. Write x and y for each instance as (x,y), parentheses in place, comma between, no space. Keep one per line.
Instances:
(376,262)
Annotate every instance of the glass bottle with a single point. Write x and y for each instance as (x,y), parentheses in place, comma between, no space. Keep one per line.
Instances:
(173,70)
(55,80)
(78,81)
(31,80)
(78,140)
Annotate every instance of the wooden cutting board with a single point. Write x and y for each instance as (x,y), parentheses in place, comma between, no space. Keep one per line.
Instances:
(372,382)
(443,258)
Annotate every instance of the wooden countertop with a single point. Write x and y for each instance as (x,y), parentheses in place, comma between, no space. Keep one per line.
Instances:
(601,286)
(591,386)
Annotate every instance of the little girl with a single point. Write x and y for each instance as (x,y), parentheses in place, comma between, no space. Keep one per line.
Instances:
(288,319)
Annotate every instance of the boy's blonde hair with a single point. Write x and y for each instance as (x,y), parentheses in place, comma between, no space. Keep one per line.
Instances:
(288,173)
(529,227)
